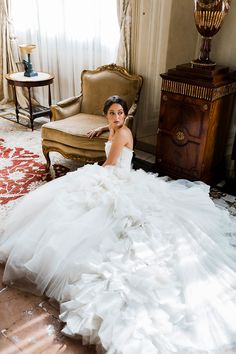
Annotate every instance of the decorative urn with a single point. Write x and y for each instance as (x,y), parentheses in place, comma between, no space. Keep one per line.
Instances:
(209,16)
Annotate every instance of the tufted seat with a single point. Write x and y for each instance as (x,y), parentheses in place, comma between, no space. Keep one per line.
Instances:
(73,118)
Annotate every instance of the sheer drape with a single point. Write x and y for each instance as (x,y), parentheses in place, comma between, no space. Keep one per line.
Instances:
(151,21)
(70,35)
(124,9)
(9,54)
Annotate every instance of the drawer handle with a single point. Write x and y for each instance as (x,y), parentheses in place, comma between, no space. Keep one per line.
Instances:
(180,135)
(164,97)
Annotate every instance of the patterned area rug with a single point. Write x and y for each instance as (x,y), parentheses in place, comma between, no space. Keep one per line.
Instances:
(22,164)
(22,171)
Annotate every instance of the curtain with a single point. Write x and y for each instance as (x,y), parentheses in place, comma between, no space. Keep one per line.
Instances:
(9,55)
(70,36)
(124,9)
(151,21)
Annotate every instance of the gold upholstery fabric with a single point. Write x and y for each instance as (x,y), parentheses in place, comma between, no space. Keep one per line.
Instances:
(66,108)
(74,117)
(97,87)
(72,131)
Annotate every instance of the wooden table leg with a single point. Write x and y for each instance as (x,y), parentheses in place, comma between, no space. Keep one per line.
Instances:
(49,101)
(16,103)
(31,111)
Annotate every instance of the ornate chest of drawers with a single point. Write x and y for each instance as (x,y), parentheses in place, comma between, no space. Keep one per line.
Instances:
(195,112)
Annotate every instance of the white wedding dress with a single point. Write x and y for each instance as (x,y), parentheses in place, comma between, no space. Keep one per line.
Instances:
(139,264)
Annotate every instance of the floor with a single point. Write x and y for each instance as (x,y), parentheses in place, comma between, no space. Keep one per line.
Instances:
(29,324)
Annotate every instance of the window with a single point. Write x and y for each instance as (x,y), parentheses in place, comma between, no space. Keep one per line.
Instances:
(70,35)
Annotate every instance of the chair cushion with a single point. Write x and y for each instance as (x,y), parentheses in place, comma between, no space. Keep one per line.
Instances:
(73,131)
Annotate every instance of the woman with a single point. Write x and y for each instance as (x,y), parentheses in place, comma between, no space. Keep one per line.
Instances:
(120,136)
(138,264)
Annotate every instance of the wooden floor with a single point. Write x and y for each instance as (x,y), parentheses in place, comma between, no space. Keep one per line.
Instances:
(29,324)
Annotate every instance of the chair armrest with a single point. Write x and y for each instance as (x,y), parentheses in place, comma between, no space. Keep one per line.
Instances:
(132,109)
(66,108)
(129,121)
(130,117)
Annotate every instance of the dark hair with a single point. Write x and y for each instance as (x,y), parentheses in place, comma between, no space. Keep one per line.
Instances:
(115,99)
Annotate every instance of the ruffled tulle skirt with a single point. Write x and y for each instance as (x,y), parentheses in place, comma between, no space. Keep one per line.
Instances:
(138,264)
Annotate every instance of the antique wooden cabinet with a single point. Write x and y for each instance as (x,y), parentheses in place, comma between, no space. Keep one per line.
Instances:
(195,112)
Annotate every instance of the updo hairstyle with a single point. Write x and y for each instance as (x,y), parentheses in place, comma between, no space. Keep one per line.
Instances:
(115,99)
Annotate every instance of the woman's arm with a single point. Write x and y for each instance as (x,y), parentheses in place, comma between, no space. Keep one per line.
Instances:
(120,139)
(97,131)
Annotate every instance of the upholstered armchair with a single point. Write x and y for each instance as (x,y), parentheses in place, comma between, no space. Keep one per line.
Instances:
(74,117)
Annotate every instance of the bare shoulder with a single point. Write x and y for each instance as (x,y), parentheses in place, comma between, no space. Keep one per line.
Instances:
(124,132)
(125,136)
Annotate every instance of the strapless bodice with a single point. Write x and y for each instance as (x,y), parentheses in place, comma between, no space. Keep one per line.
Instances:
(124,160)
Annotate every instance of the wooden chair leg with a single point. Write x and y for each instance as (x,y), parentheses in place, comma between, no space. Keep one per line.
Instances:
(47,157)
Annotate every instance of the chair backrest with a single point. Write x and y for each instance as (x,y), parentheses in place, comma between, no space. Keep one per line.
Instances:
(108,80)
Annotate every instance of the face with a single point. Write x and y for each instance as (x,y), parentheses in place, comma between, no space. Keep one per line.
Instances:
(116,116)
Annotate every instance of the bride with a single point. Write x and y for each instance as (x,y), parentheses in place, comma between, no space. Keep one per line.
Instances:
(139,264)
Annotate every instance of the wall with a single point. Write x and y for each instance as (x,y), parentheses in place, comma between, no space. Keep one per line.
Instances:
(183,34)
(164,36)
(223,43)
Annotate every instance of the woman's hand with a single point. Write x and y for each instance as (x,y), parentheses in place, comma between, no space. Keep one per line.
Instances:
(95,132)
(98,131)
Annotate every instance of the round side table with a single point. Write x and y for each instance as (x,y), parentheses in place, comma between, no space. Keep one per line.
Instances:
(34,111)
